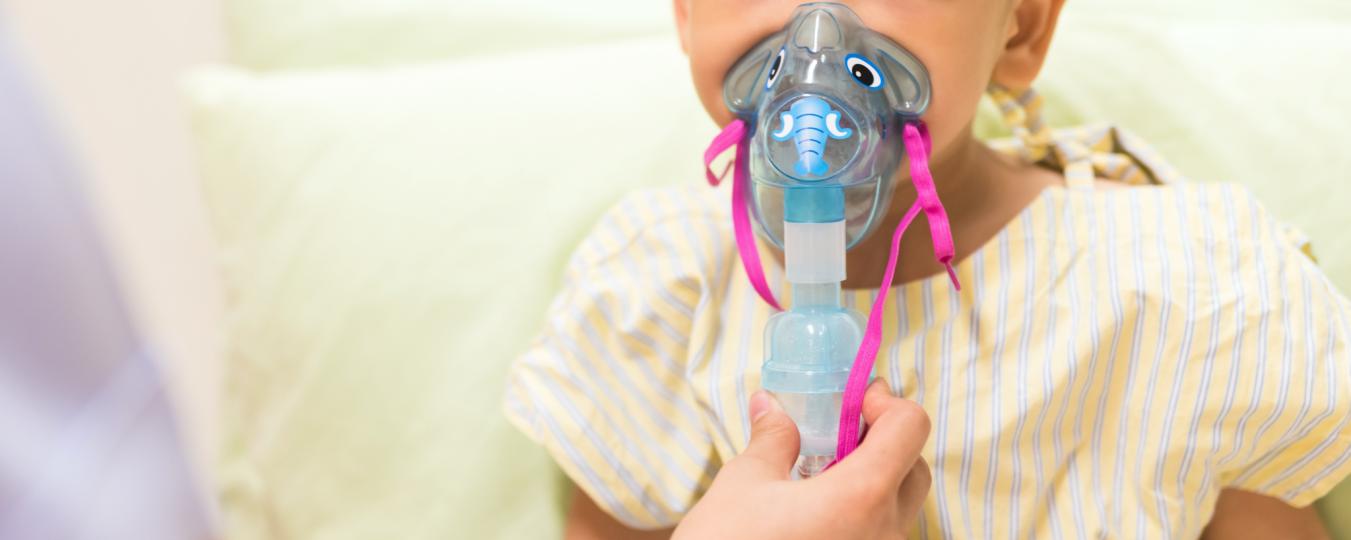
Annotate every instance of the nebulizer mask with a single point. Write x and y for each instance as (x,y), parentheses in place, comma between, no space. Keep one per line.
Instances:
(826,111)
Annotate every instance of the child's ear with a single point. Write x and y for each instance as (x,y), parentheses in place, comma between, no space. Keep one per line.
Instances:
(1030,27)
(682,15)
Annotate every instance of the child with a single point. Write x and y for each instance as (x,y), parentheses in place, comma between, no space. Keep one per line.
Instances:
(1130,355)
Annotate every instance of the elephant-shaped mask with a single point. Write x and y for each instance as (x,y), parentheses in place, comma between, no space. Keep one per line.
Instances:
(825,100)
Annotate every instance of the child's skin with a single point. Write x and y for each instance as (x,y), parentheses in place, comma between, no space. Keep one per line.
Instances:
(966,45)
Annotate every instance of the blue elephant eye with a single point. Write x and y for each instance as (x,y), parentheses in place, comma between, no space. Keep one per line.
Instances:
(863,71)
(775,67)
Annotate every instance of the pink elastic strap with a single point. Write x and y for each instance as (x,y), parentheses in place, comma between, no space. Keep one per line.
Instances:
(916,137)
(851,409)
(917,145)
(735,134)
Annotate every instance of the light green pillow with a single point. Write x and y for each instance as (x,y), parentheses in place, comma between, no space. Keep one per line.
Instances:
(280,34)
(390,240)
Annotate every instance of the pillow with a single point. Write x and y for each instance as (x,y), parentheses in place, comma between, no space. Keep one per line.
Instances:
(275,34)
(279,34)
(390,237)
(390,240)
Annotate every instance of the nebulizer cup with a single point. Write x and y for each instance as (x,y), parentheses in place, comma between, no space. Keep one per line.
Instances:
(811,346)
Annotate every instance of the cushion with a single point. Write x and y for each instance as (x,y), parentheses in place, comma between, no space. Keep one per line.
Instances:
(281,34)
(390,240)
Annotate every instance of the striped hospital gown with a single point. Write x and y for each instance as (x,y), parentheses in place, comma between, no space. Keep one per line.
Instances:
(1117,358)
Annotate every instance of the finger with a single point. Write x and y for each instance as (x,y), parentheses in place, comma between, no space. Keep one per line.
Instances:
(914,489)
(774,441)
(876,400)
(897,429)
(877,389)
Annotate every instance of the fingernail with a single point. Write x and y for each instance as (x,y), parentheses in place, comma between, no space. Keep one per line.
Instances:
(882,382)
(761,404)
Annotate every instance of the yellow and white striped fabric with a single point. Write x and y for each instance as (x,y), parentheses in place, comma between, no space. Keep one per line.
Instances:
(1117,357)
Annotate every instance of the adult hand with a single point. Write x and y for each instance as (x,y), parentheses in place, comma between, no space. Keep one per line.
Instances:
(875,492)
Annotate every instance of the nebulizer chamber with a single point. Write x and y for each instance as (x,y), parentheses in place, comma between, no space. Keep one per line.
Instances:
(810,347)
(824,100)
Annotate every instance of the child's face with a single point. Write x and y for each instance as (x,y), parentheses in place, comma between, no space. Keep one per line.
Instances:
(965,44)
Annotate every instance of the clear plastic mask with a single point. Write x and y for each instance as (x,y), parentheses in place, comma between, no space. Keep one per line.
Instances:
(825,99)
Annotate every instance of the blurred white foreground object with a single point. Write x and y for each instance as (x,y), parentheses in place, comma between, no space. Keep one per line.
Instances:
(88,442)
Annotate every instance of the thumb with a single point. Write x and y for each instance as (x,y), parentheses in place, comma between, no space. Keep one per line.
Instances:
(774,439)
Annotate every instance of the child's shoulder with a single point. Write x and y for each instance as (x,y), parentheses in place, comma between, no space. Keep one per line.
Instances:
(1203,216)
(1184,240)
(1200,246)
(1138,186)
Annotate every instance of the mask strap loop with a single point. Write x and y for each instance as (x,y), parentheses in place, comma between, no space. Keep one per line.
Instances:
(735,134)
(918,145)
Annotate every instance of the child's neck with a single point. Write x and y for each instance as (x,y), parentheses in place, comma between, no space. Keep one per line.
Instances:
(982,191)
